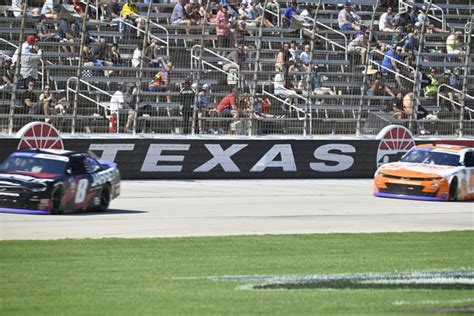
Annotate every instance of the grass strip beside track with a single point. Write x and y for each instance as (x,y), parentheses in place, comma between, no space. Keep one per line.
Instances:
(170,276)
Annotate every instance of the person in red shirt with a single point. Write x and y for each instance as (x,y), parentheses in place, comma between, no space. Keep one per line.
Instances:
(228,105)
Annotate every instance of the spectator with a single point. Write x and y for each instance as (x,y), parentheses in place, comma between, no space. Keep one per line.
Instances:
(379,89)
(358,46)
(152,54)
(6,75)
(401,19)
(454,43)
(17,9)
(31,104)
(413,15)
(345,19)
(130,14)
(308,14)
(432,88)
(47,9)
(30,58)
(120,100)
(295,52)
(385,22)
(43,30)
(305,58)
(237,58)
(429,27)
(455,81)
(280,85)
(316,83)
(50,103)
(187,93)
(399,38)
(270,13)
(137,57)
(178,16)
(283,58)
(112,12)
(222,28)
(228,105)
(397,107)
(202,106)
(240,30)
(288,14)
(99,53)
(391,64)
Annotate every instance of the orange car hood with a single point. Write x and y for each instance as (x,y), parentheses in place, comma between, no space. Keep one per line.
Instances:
(406,169)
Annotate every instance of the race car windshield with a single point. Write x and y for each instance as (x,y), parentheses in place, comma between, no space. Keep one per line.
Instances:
(33,165)
(431,157)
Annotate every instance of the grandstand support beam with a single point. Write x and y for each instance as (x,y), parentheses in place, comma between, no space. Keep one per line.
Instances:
(256,70)
(464,80)
(195,117)
(79,68)
(138,84)
(365,73)
(416,85)
(309,128)
(17,69)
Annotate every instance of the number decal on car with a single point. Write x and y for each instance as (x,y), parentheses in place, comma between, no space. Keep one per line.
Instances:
(81,190)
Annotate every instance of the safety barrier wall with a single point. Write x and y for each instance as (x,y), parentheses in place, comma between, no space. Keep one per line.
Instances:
(237,158)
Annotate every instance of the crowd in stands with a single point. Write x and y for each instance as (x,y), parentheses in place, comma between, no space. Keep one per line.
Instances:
(233,21)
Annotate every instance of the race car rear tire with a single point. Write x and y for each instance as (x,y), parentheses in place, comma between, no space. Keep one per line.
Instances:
(453,188)
(56,201)
(104,200)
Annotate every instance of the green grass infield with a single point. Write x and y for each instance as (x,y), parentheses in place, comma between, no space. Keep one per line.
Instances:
(241,275)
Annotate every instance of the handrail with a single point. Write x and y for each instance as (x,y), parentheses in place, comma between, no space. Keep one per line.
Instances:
(166,42)
(446,98)
(68,88)
(193,57)
(296,108)
(344,47)
(374,51)
(433,7)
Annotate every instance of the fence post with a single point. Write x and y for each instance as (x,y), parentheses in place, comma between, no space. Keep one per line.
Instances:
(464,80)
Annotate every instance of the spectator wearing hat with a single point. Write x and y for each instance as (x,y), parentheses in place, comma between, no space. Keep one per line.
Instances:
(385,21)
(186,94)
(202,106)
(30,59)
(345,19)
(358,46)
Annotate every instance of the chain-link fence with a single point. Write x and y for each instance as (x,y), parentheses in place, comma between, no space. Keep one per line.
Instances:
(251,68)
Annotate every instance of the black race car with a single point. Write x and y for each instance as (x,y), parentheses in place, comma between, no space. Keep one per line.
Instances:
(44,181)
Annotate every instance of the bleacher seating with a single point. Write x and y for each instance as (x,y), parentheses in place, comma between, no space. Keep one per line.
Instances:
(335,113)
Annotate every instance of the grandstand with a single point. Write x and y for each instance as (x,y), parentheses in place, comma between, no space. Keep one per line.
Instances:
(344,87)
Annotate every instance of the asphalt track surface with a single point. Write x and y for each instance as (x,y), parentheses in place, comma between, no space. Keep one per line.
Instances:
(241,207)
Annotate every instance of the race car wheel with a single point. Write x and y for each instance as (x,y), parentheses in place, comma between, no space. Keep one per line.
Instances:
(56,202)
(453,188)
(104,200)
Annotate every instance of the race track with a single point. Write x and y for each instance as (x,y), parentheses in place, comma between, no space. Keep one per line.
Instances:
(235,207)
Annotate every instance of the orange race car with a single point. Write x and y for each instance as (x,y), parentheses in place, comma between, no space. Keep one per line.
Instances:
(429,172)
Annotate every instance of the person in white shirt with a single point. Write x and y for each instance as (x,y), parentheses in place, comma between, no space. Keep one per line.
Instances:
(120,101)
(17,8)
(385,22)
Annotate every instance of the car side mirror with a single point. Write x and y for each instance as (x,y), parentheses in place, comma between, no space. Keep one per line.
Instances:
(68,171)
